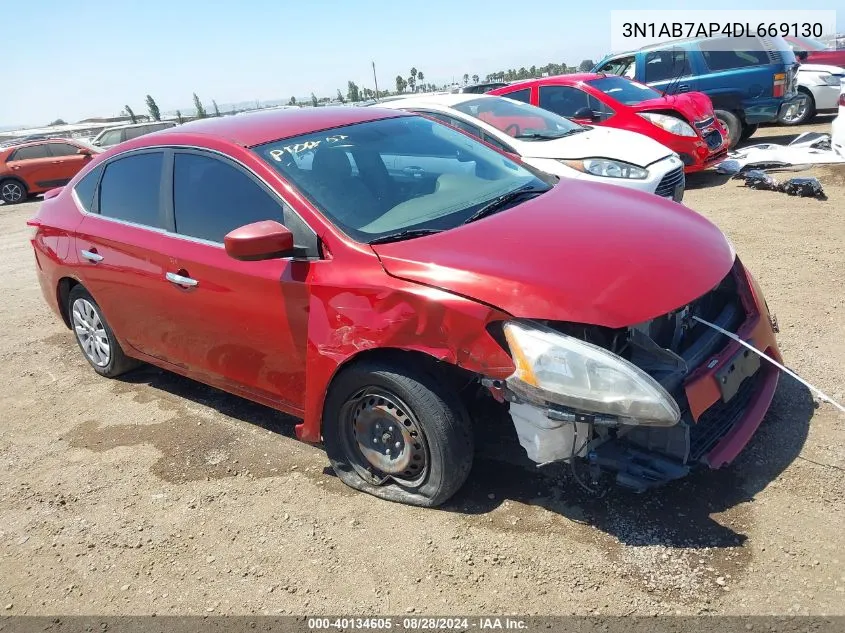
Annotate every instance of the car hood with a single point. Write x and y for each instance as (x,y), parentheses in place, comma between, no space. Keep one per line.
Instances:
(693,106)
(821,68)
(582,252)
(604,142)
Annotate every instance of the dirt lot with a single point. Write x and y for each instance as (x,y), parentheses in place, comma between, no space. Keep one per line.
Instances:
(154,494)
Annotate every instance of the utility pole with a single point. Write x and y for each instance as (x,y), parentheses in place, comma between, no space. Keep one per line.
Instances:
(375,80)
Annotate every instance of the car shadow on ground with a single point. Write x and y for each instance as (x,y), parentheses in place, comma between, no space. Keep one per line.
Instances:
(681,514)
(677,515)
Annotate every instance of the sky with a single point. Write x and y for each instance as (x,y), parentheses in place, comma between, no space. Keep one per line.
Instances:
(73,59)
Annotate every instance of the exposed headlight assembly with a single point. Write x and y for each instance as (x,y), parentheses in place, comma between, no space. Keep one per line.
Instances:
(607,168)
(559,369)
(671,124)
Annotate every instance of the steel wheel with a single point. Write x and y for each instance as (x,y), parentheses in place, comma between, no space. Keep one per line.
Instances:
(90,332)
(12,192)
(383,438)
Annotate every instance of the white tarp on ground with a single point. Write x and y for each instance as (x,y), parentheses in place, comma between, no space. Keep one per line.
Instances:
(810,148)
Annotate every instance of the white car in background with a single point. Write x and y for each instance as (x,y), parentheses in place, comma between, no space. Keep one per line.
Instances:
(820,84)
(557,145)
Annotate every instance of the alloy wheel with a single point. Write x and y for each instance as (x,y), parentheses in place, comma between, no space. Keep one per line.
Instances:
(796,111)
(91,333)
(11,192)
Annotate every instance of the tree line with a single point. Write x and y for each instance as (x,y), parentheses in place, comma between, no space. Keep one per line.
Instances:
(414,82)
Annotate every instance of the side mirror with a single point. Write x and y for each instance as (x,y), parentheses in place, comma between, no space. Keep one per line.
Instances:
(583,113)
(260,240)
(801,55)
(83,151)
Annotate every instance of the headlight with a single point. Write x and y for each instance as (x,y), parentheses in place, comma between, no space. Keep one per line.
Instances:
(830,80)
(553,367)
(671,124)
(607,168)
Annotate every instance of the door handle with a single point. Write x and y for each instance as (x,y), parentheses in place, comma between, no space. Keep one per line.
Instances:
(56,162)
(179,280)
(91,256)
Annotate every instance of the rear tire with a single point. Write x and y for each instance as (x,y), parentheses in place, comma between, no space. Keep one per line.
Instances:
(804,116)
(94,336)
(733,124)
(375,407)
(13,191)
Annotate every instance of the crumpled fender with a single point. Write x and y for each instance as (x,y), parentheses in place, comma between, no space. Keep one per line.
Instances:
(346,321)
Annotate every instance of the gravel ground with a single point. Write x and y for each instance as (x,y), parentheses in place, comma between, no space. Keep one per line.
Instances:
(154,494)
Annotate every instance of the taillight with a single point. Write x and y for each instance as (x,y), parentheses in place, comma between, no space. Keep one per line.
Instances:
(842,100)
(33,225)
(779,86)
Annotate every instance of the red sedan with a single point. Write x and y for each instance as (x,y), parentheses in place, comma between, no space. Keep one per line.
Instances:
(814,52)
(684,122)
(379,274)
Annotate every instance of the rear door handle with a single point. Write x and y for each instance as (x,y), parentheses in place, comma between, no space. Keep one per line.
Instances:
(179,280)
(91,256)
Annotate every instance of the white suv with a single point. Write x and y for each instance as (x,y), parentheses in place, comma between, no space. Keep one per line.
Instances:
(114,135)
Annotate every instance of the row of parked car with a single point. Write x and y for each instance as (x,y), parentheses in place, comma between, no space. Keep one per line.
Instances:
(642,119)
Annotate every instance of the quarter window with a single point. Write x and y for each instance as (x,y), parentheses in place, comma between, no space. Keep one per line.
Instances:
(212,198)
(719,56)
(85,189)
(130,189)
(31,152)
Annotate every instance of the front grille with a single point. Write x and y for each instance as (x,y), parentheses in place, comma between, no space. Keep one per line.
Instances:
(705,123)
(713,139)
(721,417)
(666,188)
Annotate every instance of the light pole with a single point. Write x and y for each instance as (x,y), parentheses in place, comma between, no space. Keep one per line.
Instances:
(375,81)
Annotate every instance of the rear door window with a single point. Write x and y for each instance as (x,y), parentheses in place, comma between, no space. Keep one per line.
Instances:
(520,95)
(130,189)
(746,52)
(63,149)
(31,152)
(110,138)
(212,197)
(135,132)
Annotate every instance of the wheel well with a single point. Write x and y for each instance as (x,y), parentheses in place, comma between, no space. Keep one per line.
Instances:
(17,180)
(66,284)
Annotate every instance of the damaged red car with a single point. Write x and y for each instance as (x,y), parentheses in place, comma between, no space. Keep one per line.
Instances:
(366,269)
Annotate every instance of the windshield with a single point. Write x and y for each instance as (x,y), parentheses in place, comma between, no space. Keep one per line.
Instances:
(394,175)
(518,119)
(624,90)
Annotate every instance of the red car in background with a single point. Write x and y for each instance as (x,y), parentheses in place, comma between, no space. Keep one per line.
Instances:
(684,122)
(814,52)
(35,166)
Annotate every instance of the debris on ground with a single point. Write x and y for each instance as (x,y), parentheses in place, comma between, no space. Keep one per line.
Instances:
(810,148)
(807,187)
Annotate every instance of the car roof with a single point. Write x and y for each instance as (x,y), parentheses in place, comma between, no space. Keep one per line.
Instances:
(40,141)
(570,78)
(260,127)
(447,100)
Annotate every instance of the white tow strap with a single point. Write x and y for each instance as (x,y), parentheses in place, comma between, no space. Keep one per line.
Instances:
(733,336)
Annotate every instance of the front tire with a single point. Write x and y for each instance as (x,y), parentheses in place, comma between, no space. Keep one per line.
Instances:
(94,336)
(394,432)
(12,191)
(733,124)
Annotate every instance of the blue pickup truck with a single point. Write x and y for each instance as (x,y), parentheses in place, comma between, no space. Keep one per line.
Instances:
(749,80)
